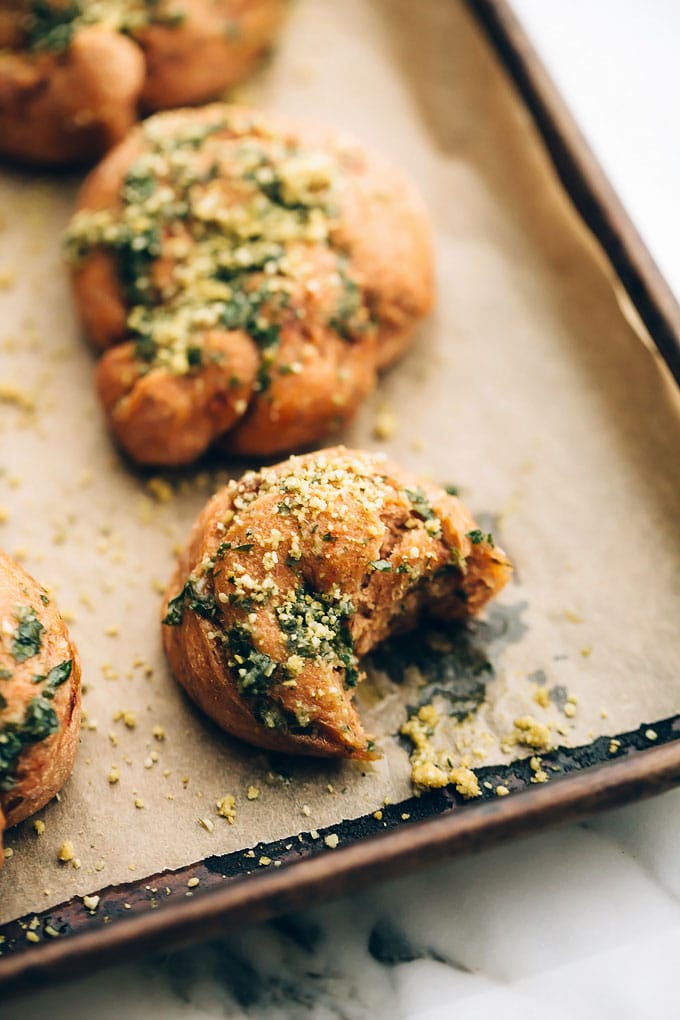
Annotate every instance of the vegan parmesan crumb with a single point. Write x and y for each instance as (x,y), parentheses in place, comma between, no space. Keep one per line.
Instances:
(542,697)
(331,840)
(539,773)
(91,903)
(614,745)
(226,808)
(66,852)
(571,617)
(531,733)
(39,826)
(253,793)
(384,424)
(651,734)
(193,882)
(160,490)
(206,823)
(502,791)
(465,782)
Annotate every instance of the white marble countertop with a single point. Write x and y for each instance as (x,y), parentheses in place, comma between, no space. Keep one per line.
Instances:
(582,920)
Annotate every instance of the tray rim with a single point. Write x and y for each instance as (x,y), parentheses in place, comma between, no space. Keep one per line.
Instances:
(384,856)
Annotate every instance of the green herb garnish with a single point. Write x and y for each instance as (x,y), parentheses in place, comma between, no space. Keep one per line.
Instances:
(28,639)
(57,676)
(477,536)
(382,566)
(39,723)
(202,603)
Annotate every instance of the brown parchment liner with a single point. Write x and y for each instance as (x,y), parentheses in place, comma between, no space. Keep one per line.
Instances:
(529,388)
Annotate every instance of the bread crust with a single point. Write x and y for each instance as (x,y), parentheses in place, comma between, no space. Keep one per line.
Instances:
(292,574)
(346,274)
(40,675)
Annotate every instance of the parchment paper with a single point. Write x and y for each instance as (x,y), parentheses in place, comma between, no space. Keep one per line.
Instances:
(528,388)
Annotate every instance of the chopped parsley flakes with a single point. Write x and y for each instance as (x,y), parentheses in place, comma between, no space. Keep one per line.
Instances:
(316,625)
(202,603)
(28,638)
(39,723)
(477,536)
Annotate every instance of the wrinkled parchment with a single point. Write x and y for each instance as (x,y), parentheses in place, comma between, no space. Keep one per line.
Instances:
(528,388)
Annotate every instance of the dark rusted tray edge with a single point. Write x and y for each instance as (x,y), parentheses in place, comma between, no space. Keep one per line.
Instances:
(384,856)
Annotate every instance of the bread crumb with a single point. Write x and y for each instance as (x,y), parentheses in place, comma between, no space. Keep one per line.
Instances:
(193,882)
(91,902)
(332,840)
(39,826)
(502,791)
(253,793)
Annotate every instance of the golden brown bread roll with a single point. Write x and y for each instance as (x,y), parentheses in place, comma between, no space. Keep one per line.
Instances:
(294,573)
(39,697)
(74,73)
(246,276)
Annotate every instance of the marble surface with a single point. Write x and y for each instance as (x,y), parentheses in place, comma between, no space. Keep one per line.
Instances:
(583,920)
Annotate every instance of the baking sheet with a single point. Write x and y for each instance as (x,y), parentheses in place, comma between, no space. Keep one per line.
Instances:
(528,389)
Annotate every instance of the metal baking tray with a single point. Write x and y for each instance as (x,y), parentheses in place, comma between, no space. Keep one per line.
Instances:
(155,911)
